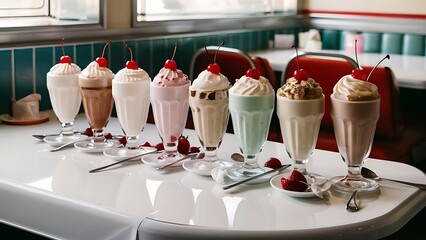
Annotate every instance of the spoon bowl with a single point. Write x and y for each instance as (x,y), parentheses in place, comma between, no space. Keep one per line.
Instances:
(368,173)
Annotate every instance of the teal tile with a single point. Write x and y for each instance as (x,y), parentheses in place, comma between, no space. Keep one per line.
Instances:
(83,55)
(263,40)
(118,57)
(254,40)
(159,54)
(5,80)
(44,61)
(235,40)
(187,50)
(98,49)
(144,56)
(169,48)
(245,40)
(23,72)
(200,42)
(213,40)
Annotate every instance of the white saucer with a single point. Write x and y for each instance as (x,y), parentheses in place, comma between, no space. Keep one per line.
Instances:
(254,181)
(276,184)
(6,118)
(191,166)
(152,160)
(84,146)
(117,153)
(57,141)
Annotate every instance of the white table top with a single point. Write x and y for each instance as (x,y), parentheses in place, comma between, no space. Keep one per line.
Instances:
(410,71)
(53,194)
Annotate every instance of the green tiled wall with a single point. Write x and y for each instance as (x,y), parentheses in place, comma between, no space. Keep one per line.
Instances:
(32,63)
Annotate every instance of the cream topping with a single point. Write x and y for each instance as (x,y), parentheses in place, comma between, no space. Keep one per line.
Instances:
(170,78)
(252,87)
(65,69)
(355,90)
(131,75)
(208,81)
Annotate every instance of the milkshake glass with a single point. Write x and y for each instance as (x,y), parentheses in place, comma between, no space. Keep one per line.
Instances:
(65,97)
(251,104)
(300,108)
(354,118)
(130,89)
(169,94)
(209,104)
(95,83)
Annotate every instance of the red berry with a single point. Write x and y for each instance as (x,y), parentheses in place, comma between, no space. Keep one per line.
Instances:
(214,68)
(146,144)
(253,73)
(173,138)
(273,163)
(65,59)
(131,64)
(183,145)
(301,74)
(123,141)
(291,185)
(194,150)
(88,132)
(159,146)
(170,64)
(295,175)
(359,74)
(108,136)
(102,62)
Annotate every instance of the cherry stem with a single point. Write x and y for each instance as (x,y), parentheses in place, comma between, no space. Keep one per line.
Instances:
(356,54)
(221,44)
(297,56)
(386,57)
(174,50)
(207,51)
(131,53)
(63,50)
(103,51)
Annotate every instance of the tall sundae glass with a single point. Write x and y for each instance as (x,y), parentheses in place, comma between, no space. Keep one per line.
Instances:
(300,108)
(355,109)
(251,104)
(169,92)
(95,83)
(130,89)
(64,93)
(209,104)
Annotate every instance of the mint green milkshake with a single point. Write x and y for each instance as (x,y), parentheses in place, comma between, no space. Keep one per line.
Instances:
(251,104)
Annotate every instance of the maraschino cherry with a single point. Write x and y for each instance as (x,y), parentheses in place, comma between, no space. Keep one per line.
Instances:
(299,74)
(170,63)
(214,67)
(358,73)
(131,64)
(101,60)
(253,73)
(64,58)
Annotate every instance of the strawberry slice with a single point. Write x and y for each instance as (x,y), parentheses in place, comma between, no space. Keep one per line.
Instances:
(291,185)
(183,145)
(295,175)
(194,150)
(146,144)
(273,162)
(159,146)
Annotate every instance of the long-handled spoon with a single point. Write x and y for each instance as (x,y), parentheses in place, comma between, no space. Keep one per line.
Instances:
(352,206)
(368,173)
(124,160)
(67,144)
(42,136)
(185,157)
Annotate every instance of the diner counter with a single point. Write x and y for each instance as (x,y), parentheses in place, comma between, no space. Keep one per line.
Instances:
(410,71)
(54,195)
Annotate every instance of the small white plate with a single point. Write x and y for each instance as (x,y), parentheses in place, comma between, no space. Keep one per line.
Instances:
(153,161)
(117,153)
(254,181)
(84,146)
(191,166)
(276,184)
(57,141)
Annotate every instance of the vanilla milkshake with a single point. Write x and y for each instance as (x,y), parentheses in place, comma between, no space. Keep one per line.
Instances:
(300,108)
(95,83)
(355,109)
(130,89)
(209,104)
(251,104)
(65,97)
(169,94)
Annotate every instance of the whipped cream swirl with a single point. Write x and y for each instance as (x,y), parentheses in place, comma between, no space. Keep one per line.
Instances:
(252,87)
(131,75)
(93,70)
(306,89)
(65,69)
(207,81)
(354,89)
(170,78)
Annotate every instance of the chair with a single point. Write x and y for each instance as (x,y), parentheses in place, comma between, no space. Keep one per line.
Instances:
(234,63)
(413,44)
(393,140)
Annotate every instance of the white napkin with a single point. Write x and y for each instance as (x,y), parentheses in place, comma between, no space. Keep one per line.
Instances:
(310,40)
(318,185)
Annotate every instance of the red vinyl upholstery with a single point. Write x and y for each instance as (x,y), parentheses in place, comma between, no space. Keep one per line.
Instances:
(393,140)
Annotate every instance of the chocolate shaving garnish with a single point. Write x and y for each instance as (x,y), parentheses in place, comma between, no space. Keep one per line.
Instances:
(202,95)
(193,93)
(212,96)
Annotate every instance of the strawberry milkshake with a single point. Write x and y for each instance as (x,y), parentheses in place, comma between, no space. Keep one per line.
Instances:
(64,93)
(169,94)
(209,104)
(251,104)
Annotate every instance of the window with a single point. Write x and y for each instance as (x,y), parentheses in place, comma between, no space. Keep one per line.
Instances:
(24,8)
(151,10)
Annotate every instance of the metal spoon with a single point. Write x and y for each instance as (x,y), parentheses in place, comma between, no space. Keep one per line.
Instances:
(185,157)
(124,160)
(42,136)
(237,157)
(368,173)
(68,144)
(352,206)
